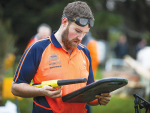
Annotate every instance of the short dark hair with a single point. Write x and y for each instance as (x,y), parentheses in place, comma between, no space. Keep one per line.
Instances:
(78,9)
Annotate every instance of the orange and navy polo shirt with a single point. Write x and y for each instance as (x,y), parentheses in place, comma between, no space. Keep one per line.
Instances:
(47,60)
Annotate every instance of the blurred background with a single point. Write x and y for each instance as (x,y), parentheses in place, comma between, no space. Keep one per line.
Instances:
(122,30)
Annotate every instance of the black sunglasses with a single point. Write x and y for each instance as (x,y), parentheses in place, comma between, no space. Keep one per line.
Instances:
(81,21)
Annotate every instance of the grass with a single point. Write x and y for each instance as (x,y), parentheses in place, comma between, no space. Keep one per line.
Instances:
(24,105)
(116,105)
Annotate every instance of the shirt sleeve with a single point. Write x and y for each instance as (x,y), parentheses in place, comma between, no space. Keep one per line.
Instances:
(91,76)
(28,64)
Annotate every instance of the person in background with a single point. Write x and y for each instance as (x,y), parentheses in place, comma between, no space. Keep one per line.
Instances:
(121,48)
(143,57)
(92,46)
(43,31)
(140,45)
(60,56)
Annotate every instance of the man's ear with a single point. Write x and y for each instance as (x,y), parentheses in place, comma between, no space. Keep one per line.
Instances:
(64,22)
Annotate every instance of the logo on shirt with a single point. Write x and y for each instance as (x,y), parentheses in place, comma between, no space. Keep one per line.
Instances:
(54,58)
(54,61)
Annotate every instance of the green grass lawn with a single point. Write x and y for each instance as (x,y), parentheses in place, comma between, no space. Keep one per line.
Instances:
(117,105)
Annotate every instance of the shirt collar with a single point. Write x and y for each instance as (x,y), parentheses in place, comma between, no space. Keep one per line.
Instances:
(54,40)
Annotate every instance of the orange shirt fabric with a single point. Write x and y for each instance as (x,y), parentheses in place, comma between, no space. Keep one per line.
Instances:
(47,60)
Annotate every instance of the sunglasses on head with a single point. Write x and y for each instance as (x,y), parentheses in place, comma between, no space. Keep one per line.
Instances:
(81,21)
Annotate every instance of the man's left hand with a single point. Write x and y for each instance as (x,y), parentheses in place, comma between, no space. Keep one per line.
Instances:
(104,98)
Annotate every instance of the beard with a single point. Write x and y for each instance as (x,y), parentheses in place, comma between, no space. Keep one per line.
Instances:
(69,43)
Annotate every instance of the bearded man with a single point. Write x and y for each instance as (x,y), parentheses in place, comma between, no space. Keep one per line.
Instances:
(60,56)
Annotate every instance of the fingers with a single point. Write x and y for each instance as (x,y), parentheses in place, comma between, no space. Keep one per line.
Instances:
(106,94)
(104,98)
(52,92)
(56,94)
(104,101)
(103,95)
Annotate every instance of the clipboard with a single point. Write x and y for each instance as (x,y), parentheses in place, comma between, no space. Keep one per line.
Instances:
(87,93)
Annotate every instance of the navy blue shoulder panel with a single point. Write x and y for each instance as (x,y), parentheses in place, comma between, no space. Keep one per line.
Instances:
(87,53)
(30,61)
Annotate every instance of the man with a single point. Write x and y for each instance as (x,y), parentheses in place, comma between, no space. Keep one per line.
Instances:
(140,45)
(43,31)
(60,56)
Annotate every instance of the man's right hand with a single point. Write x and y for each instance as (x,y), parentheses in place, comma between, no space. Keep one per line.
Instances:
(27,91)
(51,91)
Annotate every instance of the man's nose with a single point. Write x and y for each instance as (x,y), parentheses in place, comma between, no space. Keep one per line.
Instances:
(81,36)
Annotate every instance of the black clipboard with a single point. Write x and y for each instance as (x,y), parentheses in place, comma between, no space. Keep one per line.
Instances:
(87,93)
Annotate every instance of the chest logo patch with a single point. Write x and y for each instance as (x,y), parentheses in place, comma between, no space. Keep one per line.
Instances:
(54,61)
(54,58)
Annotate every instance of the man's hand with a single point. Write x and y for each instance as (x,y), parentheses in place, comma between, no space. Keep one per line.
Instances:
(51,91)
(104,98)
(27,91)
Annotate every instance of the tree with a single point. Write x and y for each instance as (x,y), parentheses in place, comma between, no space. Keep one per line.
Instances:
(27,15)
(6,46)
(136,20)
(131,16)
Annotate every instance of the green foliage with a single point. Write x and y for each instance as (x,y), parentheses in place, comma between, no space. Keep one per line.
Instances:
(7,40)
(6,46)
(113,35)
(147,37)
(27,15)
(105,19)
(6,43)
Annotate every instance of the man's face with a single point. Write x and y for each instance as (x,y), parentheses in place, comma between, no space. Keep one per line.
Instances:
(73,35)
